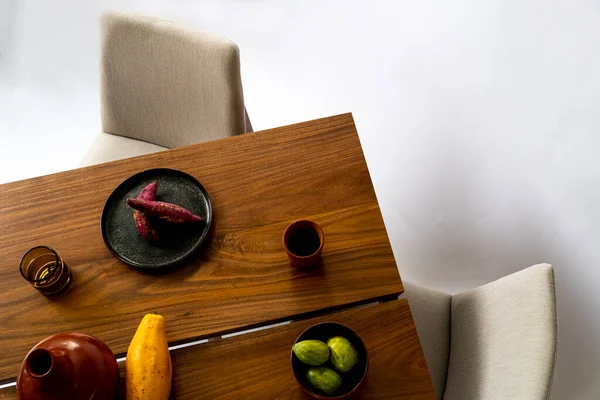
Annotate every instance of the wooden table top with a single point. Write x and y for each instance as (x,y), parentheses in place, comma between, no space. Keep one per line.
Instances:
(258,183)
(257,365)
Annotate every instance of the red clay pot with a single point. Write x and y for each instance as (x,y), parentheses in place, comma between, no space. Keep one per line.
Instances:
(70,366)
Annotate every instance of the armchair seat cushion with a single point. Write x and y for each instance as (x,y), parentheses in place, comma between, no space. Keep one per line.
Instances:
(109,147)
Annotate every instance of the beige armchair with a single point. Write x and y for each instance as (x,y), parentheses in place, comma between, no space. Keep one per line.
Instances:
(497,341)
(164,85)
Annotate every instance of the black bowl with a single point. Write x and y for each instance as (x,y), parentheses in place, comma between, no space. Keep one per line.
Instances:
(351,379)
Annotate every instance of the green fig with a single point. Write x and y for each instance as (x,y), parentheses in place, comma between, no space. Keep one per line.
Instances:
(311,352)
(343,354)
(324,378)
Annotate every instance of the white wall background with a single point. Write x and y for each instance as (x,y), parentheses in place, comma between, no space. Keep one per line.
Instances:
(479,119)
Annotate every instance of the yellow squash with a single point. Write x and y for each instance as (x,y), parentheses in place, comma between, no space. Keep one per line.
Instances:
(148,365)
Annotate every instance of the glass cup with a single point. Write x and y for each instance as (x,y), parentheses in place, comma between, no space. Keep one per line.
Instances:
(46,271)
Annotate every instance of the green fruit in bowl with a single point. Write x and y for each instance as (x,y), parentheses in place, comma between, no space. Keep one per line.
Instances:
(324,378)
(343,355)
(311,352)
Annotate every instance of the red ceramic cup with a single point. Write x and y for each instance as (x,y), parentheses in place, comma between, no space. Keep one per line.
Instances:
(303,242)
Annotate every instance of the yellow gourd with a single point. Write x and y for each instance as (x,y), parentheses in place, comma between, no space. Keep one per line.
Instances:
(148,370)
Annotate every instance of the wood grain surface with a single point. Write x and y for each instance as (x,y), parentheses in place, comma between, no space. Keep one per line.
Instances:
(258,183)
(257,365)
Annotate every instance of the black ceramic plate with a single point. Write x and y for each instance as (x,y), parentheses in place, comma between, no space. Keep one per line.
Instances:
(178,241)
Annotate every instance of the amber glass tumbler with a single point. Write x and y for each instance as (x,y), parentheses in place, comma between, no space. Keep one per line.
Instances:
(46,271)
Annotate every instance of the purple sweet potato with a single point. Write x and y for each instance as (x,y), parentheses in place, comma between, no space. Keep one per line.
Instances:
(145,227)
(166,211)
(142,222)
(149,192)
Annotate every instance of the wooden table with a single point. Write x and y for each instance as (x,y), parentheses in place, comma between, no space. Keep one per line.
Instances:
(258,184)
